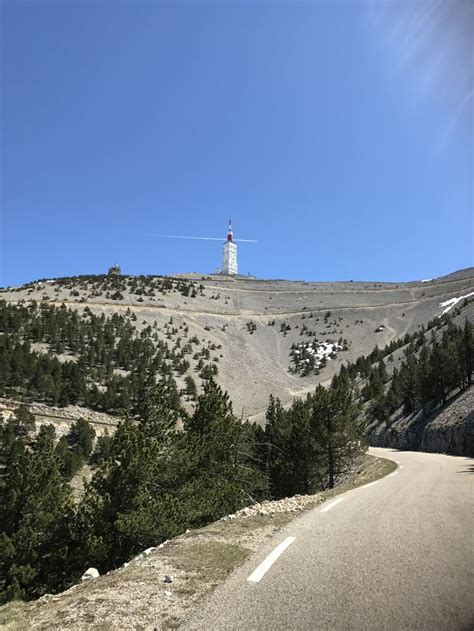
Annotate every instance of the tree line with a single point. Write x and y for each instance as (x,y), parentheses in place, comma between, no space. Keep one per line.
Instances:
(105,284)
(432,369)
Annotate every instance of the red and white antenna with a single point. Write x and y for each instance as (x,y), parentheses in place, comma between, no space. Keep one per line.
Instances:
(230,236)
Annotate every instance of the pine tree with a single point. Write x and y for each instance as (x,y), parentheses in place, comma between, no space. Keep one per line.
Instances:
(467,352)
(35,513)
(102,449)
(213,407)
(223,450)
(337,427)
(158,414)
(439,373)
(24,422)
(81,438)
(271,443)
(423,379)
(191,388)
(301,450)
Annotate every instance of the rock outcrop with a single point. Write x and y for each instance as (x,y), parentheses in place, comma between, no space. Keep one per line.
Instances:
(63,417)
(449,430)
(90,574)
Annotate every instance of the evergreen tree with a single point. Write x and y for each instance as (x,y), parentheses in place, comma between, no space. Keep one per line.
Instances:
(223,452)
(271,446)
(73,449)
(339,431)
(301,451)
(23,422)
(315,439)
(439,373)
(410,383)
(158,415)
(157,482)
(81,438)
(191,388)
(213,407)
(102,449)
(423,379)
(35,513)
(467,352)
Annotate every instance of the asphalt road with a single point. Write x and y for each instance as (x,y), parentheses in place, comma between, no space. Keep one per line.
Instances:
(398,554)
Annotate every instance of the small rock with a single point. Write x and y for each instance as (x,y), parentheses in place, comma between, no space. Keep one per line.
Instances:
(148,551)
(167,579)
(46,597)
(90,574)
(168,593)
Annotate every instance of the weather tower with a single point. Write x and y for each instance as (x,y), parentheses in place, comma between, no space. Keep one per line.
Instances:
(229,262)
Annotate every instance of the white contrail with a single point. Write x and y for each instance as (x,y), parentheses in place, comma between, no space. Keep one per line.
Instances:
(180,236)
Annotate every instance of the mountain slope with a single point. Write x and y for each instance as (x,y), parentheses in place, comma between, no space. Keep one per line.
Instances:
(447,430)
(250,325)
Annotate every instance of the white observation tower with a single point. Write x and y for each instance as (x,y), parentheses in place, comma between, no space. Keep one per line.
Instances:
(229,262)
(229,259)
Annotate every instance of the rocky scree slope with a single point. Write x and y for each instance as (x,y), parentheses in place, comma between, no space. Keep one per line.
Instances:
(444,424)
(448,430)
(254,326)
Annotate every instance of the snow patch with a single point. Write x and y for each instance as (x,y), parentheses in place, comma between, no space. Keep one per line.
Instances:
(449,304)
(311,356)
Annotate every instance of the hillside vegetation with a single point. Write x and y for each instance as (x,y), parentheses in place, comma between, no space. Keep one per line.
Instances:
(153,482)
(180,458)
(249,328)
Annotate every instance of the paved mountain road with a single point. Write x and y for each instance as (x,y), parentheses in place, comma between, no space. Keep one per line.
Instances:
(397,555)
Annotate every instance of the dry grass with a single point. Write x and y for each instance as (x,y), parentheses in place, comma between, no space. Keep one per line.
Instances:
(368,470)
(212,561)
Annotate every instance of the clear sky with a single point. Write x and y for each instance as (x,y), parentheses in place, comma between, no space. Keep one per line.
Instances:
(338,134)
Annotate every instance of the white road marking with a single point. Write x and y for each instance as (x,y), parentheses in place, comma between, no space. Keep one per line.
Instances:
(390,475)
(263,568)
(364,486)
(401,466)
(397,461)
(331,505)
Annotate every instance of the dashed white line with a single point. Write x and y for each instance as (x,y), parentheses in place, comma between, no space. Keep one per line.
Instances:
(263,568)
(331,505)
(364,486)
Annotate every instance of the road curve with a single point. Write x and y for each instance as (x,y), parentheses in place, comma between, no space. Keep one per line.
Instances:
(396,555)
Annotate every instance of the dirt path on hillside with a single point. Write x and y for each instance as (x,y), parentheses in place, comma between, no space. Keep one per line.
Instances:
(352,288)
(244,313)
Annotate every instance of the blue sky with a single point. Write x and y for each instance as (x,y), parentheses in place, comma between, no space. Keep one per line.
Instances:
(338,134)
